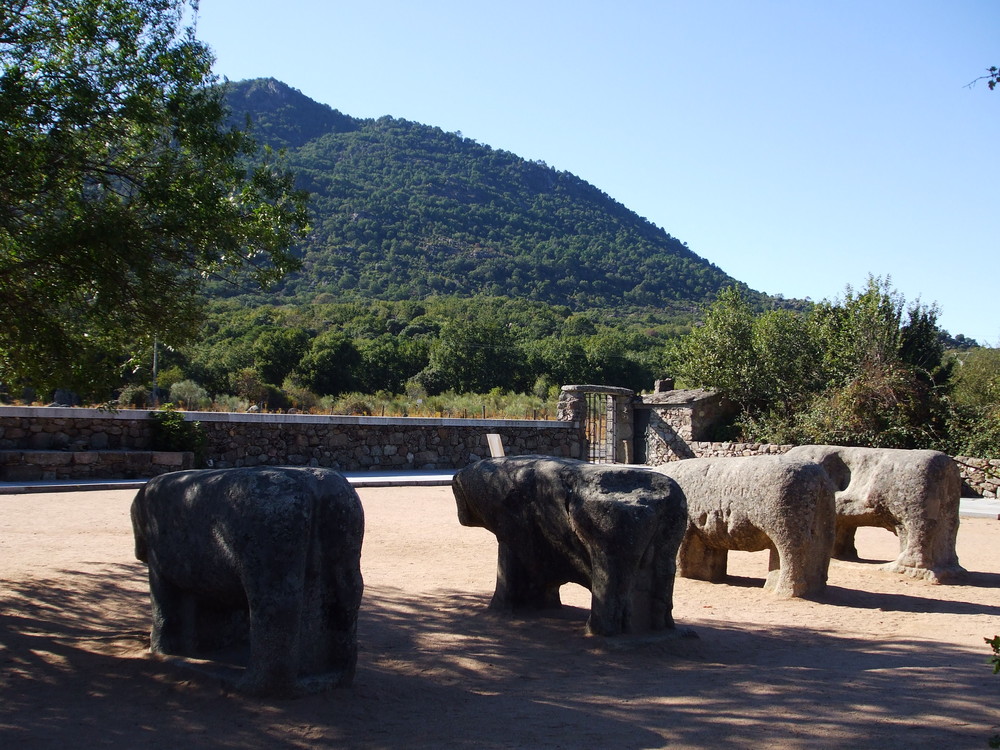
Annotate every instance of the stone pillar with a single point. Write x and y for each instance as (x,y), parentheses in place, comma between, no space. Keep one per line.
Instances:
(624,429)
(572,406)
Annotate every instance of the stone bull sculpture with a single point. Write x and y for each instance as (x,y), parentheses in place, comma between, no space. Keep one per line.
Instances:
(913,493)
(613,529)
(753,504)
(265,556)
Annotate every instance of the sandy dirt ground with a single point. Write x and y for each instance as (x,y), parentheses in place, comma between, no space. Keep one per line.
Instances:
(877,661)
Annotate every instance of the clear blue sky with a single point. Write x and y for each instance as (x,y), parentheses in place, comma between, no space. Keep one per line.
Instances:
(798,145)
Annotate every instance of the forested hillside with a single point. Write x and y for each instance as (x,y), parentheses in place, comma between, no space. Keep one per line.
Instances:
(407,211)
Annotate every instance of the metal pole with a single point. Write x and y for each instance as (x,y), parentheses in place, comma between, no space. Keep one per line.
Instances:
(156,362)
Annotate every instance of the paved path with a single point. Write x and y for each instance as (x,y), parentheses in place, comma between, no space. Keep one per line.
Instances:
(970,507)
(357,478)
(979,507)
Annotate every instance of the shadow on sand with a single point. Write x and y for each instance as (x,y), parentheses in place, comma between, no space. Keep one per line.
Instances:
(75,666)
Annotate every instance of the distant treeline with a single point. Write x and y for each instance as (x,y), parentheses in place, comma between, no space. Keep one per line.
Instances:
(269,354)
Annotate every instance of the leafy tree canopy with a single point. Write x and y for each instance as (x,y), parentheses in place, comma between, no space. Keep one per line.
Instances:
(121,189)
(977,378)
(441,344)
(863,370)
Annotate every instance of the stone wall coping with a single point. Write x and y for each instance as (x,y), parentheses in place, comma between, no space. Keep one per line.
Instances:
(681,397)
(75,412)
(216,416)
(610,390)
(70,412)
(99,451)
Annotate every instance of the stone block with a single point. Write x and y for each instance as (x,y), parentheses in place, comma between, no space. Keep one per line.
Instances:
(20,473)
(173,459)
(48,458)
(40,441)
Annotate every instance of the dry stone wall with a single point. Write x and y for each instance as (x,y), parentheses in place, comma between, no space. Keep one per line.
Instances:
(670,421)
(72,429)
(34,466)
(43,443)
(980,476)
(65,443)
(376,443)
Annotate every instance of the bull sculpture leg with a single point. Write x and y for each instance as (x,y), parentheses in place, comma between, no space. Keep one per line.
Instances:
(175,618)
(518,586)
(701,562)
(844,547)
(274,634)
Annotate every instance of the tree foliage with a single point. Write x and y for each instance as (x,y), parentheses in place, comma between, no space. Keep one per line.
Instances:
(759,360)
(992,77)
(977,378)
(330,367)
(440,345)
(976,395)
(276,350)
(474,354)
(863,370)
(121,190)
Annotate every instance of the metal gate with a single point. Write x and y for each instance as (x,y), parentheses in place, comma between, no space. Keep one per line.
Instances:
(600,428)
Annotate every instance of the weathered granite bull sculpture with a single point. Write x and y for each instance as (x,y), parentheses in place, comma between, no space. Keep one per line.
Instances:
(753,504)
(913,493)
(264,556)
(613,529)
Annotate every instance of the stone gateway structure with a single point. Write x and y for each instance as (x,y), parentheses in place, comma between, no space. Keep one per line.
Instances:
(753,504)
(913,493)
(613,529)
(268,557)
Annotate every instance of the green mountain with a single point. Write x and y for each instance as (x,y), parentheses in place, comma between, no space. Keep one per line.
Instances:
(407,211)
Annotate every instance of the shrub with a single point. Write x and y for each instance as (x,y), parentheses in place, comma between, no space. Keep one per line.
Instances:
(171,432)
(189,394)
(227,402)
(133,395)
(166,378)
(977,378)
(975,431)
(353,403)
(248,384)
(300,396)
(275,399)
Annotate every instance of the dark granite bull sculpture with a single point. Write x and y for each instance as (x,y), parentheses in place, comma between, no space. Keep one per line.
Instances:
(613,529)
(264,556)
